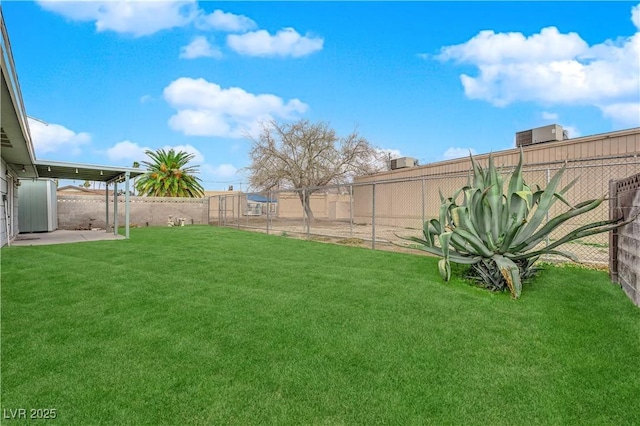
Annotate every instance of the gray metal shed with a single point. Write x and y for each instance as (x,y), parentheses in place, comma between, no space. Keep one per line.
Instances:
(38,206)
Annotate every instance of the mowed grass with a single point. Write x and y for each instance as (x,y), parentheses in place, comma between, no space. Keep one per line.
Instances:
(203,325)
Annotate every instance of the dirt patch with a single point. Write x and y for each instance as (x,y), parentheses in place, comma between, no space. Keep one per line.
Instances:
(351,241)
(389,238)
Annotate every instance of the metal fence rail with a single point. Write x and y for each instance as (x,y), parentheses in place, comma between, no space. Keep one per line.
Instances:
(375,214)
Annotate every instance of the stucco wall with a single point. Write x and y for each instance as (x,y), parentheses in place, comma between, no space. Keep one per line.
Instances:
(624,263)
(82,211)
(323,205)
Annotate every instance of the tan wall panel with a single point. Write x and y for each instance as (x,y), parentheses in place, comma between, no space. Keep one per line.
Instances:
(615,143)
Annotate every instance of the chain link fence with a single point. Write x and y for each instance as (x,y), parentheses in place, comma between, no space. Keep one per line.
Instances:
(377,214)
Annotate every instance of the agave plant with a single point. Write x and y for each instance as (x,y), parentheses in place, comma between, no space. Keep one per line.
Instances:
(498,233)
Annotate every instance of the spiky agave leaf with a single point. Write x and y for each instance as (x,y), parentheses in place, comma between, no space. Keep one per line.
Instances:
(497,233)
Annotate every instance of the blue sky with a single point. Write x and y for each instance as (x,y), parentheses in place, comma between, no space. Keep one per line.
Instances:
(429,80)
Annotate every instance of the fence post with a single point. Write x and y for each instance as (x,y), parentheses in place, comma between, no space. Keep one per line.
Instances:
(307,198)
(246,206)
(219,197)
(268,210)
(422,182)
(373,217)
(547,215)
(613,235)
(304,214)
(351,211)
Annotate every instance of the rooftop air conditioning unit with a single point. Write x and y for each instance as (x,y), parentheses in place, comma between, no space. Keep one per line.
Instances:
(403,162)
(549,133)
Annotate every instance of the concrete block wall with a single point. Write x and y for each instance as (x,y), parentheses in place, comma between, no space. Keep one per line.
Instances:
(84,212)
(624,244)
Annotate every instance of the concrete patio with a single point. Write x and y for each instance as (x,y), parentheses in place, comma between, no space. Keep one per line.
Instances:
(62,237)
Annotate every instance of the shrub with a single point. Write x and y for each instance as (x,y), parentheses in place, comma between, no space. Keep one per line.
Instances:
(498,232)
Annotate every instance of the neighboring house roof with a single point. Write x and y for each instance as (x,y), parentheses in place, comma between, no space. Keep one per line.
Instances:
(260,199)
(78,190)
(208,193)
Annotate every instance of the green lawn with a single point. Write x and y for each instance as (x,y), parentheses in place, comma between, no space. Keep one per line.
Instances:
(203,325)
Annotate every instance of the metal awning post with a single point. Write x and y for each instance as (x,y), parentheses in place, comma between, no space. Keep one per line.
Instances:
(106,203)
(126,204)
(115,207)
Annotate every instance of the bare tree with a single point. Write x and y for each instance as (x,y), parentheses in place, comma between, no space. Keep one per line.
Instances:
(306,156)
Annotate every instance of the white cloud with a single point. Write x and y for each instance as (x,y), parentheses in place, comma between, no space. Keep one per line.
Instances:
(206,109)
(223,21)
(389,153)
(200,47)
(198,158)
(380,160)
(135,17)
(383,155)
(549,115)
(127,151)
(221,171)
(635,16)
(610,72)
(572,131)
(286,42)
(552,68)
(454,152)
(488,48)
(49,138)
(626,114)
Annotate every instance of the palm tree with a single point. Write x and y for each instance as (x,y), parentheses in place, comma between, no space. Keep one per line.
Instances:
(169,176)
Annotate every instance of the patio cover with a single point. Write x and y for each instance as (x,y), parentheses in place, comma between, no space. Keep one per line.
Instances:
(81,171)
(260,199)
(109,174)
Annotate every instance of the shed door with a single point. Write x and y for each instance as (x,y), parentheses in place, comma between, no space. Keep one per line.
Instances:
(33,207)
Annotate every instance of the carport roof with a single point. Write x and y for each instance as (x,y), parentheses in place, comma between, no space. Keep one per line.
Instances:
(80,171)
(260,199)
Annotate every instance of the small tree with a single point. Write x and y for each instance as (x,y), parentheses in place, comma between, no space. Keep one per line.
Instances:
(306,156)
(168,175)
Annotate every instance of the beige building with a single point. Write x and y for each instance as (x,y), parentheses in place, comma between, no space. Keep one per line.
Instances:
(79,190)
(404,197)
(230,205)
(324,205)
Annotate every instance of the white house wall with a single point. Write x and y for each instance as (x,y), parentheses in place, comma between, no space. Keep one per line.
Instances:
(6,183)
(3,190)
